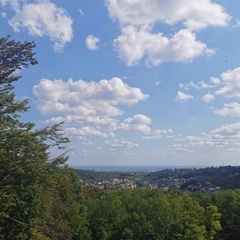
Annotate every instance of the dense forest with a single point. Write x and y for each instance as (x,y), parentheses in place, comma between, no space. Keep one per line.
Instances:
(42,198)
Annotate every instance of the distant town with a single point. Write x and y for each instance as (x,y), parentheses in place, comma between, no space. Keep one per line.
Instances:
(205,180)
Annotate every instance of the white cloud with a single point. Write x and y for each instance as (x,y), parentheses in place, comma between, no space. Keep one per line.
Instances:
(91,42)
(120,144)
(43,19)
(215,81)
(227,130)
(222,138)
(87,131)
(137,43)
(91,107)
(195,14)
(82,134)
(231,79)
(138,123)
(208,97)
(231,109)
(139,39)
(182,97)
(157,133)
(198,86)
(85,101)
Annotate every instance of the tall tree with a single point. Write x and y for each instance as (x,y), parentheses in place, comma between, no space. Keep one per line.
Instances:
(24,150)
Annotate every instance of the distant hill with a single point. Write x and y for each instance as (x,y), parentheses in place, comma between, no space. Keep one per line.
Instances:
(225,177)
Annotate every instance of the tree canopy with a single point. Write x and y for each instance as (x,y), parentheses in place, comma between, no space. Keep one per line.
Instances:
(26,170)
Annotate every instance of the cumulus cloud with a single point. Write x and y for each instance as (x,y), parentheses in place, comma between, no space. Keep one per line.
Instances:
(120,144)
(195,14)
(182,97)
(93,102)
(227,130)
(91,42)
(227,86)
(138,123)
(231,80)
(42,19)
(223,138)
(92,107)
(208,97)
(82,134)
(137,43)
(139,39)
(229,109)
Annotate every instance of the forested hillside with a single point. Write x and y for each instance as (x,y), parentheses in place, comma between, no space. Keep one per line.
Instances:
(42,198)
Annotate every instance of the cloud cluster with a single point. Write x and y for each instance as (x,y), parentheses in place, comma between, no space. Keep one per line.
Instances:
(139,40)
(228,109)
(137,43)
(42,18)
(222,139)
(195,15)
(91,109)
(93,102)
(227,86)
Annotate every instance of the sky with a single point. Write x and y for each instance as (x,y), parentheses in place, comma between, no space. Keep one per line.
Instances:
(136,82)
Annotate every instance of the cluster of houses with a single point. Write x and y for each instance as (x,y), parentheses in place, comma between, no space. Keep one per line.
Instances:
(165,184)
(204,188)
(119,183)
(171,182)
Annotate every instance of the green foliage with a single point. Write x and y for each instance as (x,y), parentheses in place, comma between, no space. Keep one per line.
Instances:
(228,203)
(151,214)
(26,171)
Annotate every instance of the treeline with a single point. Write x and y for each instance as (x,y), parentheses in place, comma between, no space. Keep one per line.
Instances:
(208,172)
(42,199)
(155,214)
(225,177)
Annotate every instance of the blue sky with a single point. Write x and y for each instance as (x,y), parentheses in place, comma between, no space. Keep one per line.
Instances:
(142,82)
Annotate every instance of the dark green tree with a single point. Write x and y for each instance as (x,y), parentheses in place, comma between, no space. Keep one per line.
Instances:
(25,163)
(228,203)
